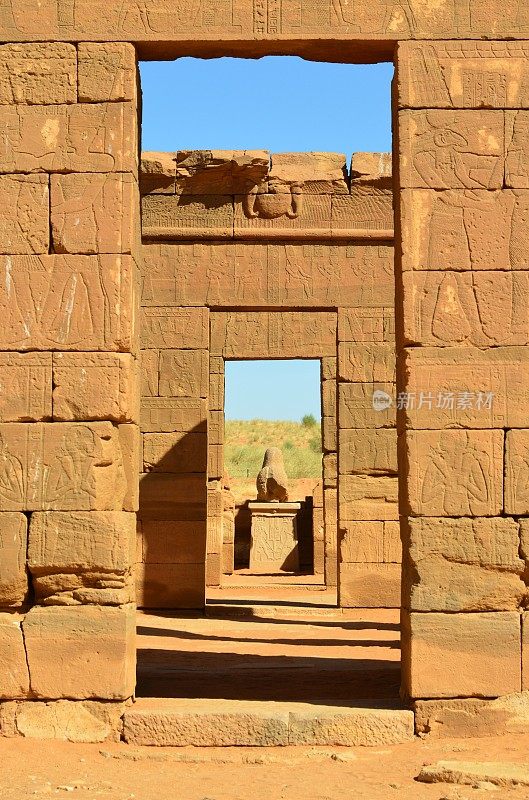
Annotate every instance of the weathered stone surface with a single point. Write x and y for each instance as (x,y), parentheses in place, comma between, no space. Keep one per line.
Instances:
(184,373)
(366,211)
(192,216)
(173,414)
(248,274)
(472,717)
(367,405)
(149,360)
(81,550)
(516,466)
(38,73)
(130,443)
(474,773)
(316,173)
(25,387)
(279,213)
(106,72)
(367,497)
(83,467)
(173,496)
(452,149)
(157,173)
(175,452)
(60,302)
(352,727)
(392,543)
(13,546)
(84,137)
(68,721)
(180,585)
(456,308)
(219,172)
(274,537)
(268,334)
(170,542)
(370,542)
(464,565)
(176,328)
(453,655)
(368,452)
(95,386)
(366,363)
(516,166)
(372,169)
(24,219)
(94,213)
(330,469)
(272,481)
(81,653)
(370,585)
(366,324)
(456,387)
(14,677)
(455,473)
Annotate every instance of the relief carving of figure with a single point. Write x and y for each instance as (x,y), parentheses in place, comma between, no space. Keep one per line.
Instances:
(272,205)
(456,480)
(11,475)
(70,477)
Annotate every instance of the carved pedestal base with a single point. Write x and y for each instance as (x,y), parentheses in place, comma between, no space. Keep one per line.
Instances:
(274,544)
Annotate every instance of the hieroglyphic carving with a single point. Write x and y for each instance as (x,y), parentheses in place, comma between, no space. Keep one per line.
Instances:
(24,223)
(207,216)
(273,334)
(170,414)
(38,73)
(183,373)
(25,386)
(175,328)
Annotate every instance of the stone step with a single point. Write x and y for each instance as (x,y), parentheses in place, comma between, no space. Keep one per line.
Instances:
(168,722)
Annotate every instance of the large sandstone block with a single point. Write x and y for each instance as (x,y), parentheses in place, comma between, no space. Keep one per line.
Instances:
(25,384)
(456,308)
(173,415)
(85,137)
(94,213)
(66,720)
(454,473)
(368,451)
(465,387)
(370,585)
(246,334)
(24,218)
(173,542)
(219,172)
(465,74)
(366,324)
(216,383)
(367,497)
(316,173)
(14,676)
(106,72)
(81,653)
(452,149)
(171,586)
(365,542)
(70,553)
(157,173)
(464,565)
(175,328)
(367,405)
(464,229)
(83,463)
(184,373)
(366,363)
(60,302)
(172,496)
(95,386)
(472,717)
(175,452)
(35,73)
(516,466)
(13,547)
(372,169)
(458,655)
(187,216)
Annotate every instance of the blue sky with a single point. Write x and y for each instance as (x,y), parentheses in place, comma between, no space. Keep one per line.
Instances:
(280,104)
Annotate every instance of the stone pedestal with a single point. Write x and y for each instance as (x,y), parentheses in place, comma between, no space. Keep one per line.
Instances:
(274,543)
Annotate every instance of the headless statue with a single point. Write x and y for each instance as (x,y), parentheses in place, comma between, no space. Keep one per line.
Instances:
(272,482)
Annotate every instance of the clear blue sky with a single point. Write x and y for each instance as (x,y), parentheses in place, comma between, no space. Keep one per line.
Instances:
(280,104)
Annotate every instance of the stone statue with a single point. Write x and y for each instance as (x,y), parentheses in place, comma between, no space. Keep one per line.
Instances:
(272,482)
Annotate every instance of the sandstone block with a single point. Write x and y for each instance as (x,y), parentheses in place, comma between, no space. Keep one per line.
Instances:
(361,542)
(329,368)
(83,467)
(184,373)
(350,727)
(170,542)
(175,328)
(464,565)
(365,209)
(455,473)
(330,469)
(157,173)
(173,415)
(316,173)
(516,163)
(453,655)
(93,213)
(130,443)
(452,149)
(245,334)
(215,461)
(81,550)
(516,466)
(366,324)
(474,773)
(171,586)
(392,543)
(370,585)
(106,72)
(472,717)
(368,451)
(367,405)
(84,137)
(81,653)
(68,721)
(219,172)
(24,219)
(95,386)
(372,169)
(149,360)
(525,651)
(173,497)
(454,387)
(184,216)
(35,73)
(466,308)
(175,452)
(25,387)
(262,213)
(366,363)
(14,677)
(216,383)
(13,546)
(59,302)
(329,433)
(328,398)
(367,497)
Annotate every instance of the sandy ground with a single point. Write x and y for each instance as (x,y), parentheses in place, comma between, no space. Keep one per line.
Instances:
(33,769)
